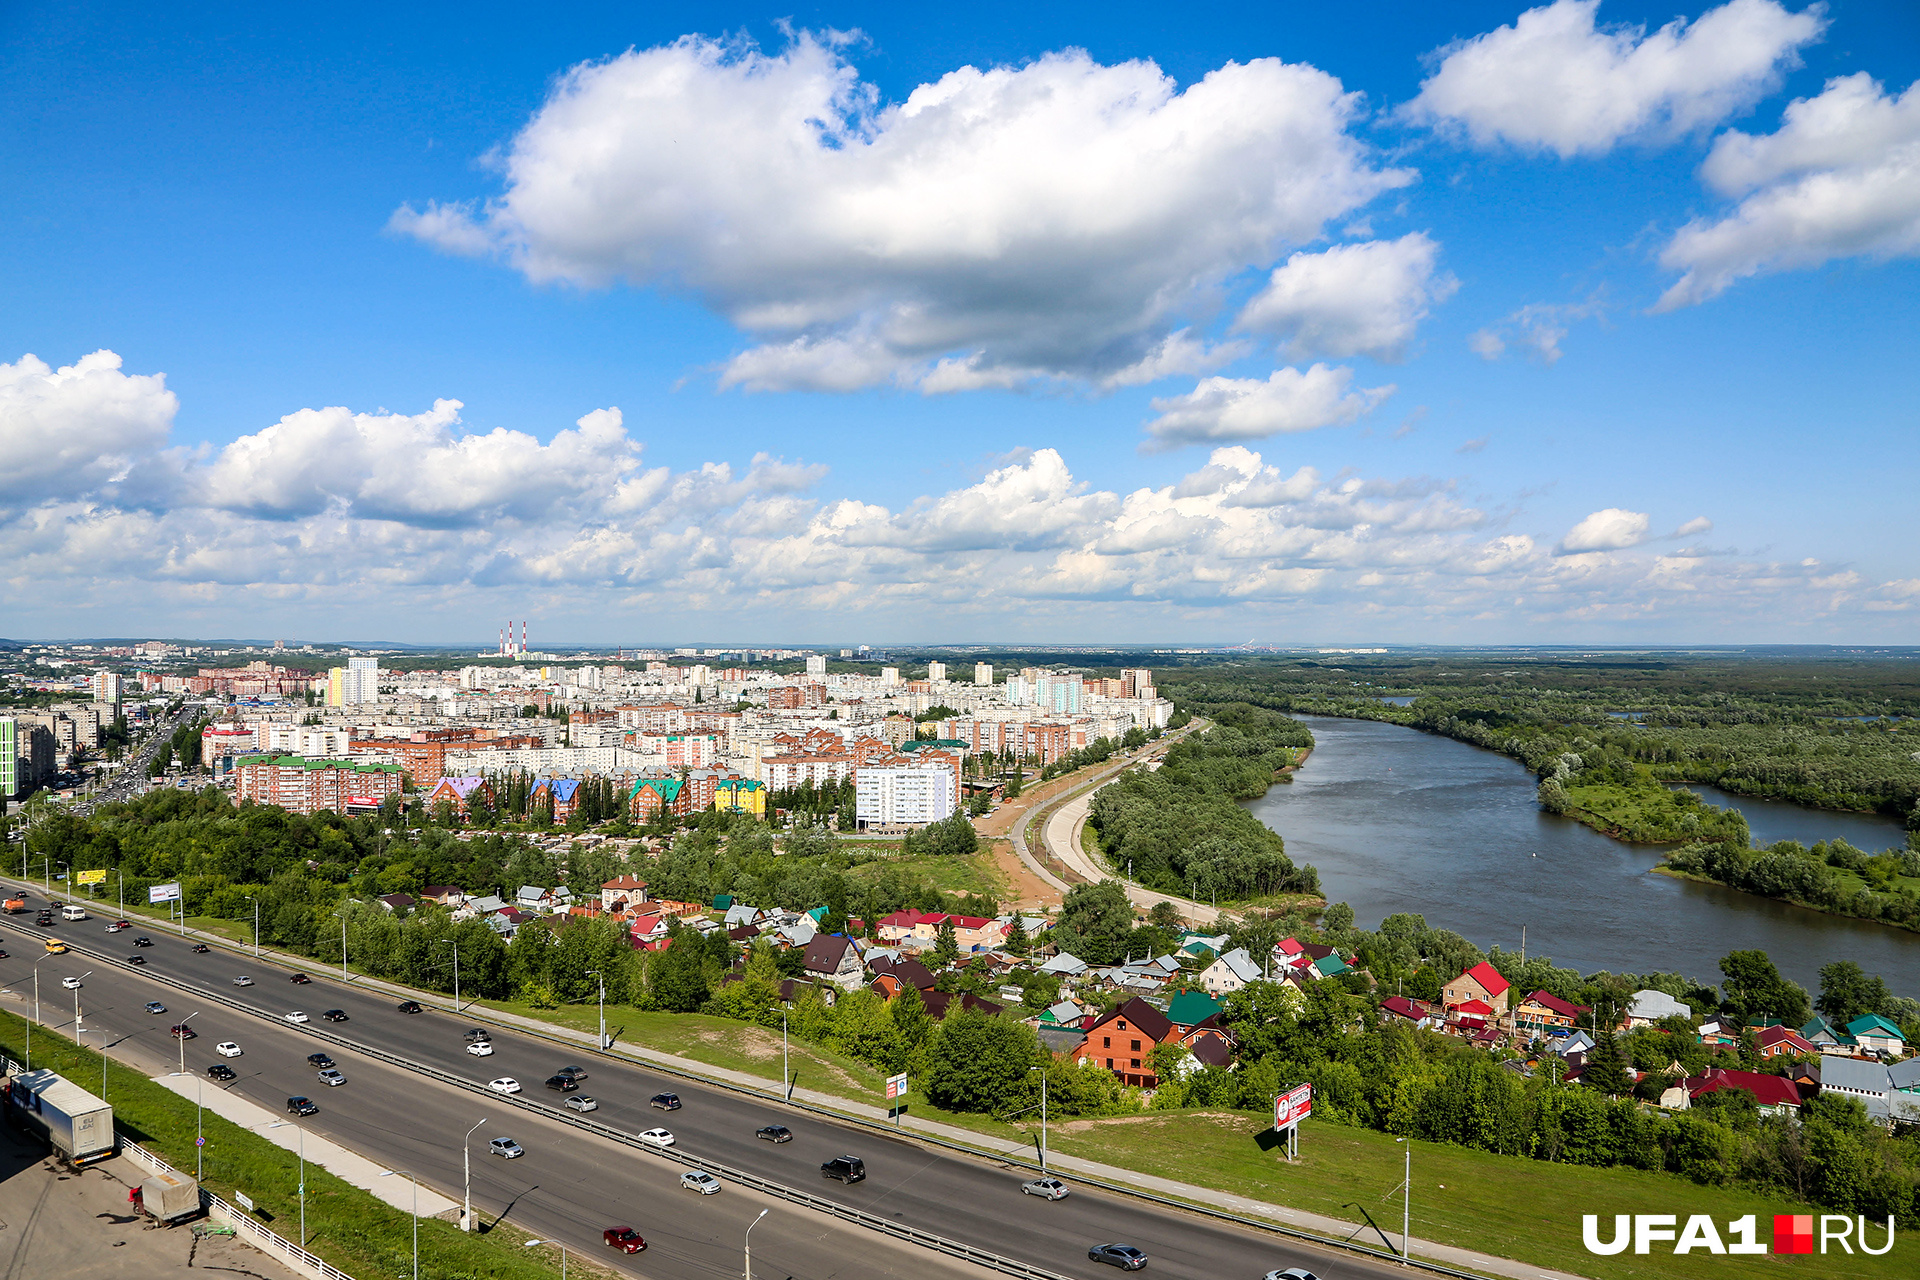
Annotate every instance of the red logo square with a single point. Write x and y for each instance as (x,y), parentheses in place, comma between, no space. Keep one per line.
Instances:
(1793,1233)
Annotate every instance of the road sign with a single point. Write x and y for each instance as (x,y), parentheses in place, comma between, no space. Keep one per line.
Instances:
(244,1200)
(897,1086)
(199,1142)
(92,877)
(164,893)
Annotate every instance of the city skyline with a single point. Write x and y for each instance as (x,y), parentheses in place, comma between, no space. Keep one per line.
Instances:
(1574,324)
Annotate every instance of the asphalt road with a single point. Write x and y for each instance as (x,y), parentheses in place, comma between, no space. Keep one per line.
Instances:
(571,1184)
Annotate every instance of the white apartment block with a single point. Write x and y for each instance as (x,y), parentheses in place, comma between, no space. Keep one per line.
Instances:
(903,794)
(983,674)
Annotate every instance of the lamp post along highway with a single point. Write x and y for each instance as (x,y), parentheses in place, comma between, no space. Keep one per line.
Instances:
(456,972)
(561,1244)
(466,1169)
(256,921)
(36,1008)
(342,916)
(410,1175)
(1043,1118)
(595,973)
(281,1124)
(746,1244)
(78,1030)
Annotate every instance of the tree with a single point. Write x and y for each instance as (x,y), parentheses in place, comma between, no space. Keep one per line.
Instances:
(1164,915)
(678,975)
(1846,992)
(1017,940)
(910,1019)
(946,945)
(1754,989)
(1607,1068)
(977,1063)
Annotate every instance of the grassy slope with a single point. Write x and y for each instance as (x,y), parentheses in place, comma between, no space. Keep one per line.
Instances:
(347,1226)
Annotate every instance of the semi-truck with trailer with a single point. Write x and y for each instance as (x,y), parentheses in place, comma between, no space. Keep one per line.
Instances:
(75,1124)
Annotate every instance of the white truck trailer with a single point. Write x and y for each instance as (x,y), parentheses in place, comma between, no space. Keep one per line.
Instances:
(75,1123)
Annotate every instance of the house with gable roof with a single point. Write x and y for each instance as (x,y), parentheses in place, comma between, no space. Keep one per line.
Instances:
(1649,1006)
(650,795)
(1481,983)
(560,795)
(1875,1034)
(1229,972)
(1124,1040)
(1542,1011)
(622,893)
(460,793)
(1776,1041)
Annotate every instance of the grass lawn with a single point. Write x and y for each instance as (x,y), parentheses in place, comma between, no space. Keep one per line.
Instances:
(347,1226)
(975,873)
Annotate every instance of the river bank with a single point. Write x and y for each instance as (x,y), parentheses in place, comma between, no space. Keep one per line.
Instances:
(1397,820)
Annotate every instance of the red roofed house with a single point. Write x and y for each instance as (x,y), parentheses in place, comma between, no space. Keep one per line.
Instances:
(459,792)
(648,933)
(1543,1009)
(1123,1042)
(1417,1012)
(1774,1042)
(1482,983)
(1775,1094)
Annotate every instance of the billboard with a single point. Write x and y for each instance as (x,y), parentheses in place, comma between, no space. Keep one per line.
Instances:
(1292,1107)
(92,877)
(164,892)
(897,1086)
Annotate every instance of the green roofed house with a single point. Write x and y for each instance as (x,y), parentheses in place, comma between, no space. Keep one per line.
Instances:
(1191,1008)
(1329,966)
(1875,1034)
(723,902)
(650,795)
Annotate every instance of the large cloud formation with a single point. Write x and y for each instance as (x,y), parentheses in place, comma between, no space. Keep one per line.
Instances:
(1554,81)
(1061,220)
(1840,178)
(389,519)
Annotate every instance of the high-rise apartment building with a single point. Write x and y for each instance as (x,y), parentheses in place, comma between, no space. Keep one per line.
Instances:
(983,673)
(816,664)
(903,793)
(355,683)
(936,672)
(9,762)
(106,687)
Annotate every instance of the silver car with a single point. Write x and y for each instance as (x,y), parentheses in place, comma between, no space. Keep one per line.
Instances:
(505,1148)
(1047,1188)
(705,1183)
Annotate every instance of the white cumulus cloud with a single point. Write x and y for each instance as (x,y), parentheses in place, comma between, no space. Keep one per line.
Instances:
(1554,81)
(1840,178)
(1052,220)
(1612,529)
(1252,408)
(66,431)
(1352,299)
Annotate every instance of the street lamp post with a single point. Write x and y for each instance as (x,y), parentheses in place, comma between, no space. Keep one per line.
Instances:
(595,973)
(256,923)
(281,1124)
(410,1175)
(1406,1202)
(456,971)
(466,1168)
(36,1008)
(1043,1118)
(344,975)
(746,1243)
(786,1074)
(183,1040)
(77,1028)
(199,1131)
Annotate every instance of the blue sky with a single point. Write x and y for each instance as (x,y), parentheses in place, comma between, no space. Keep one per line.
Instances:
(902,351)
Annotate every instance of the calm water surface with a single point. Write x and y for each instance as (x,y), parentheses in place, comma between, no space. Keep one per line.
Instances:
(1399,820)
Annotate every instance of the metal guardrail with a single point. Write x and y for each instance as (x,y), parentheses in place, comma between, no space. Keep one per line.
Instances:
(873,1222)
(269,1241)
(883,1225)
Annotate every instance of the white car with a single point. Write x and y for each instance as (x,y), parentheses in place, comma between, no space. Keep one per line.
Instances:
(71,984)
(656,1138)
(1291,1273)
(296,1017)
(481,1048)
(227,1049)
(705,1183)
(243,981)
(505,1084)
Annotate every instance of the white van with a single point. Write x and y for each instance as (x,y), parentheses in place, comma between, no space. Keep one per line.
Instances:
(72,912)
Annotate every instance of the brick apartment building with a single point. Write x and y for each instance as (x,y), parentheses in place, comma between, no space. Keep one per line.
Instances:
(300,785)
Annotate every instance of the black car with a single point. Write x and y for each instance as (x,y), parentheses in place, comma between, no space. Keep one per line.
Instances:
(335,1015)
(45,917)
(3,955)
(564,1084)
(409,1006)
(319,1060)
(665,1101)
(136,958)
(847,1169)
(300,979)
(576,1073)
(220,1071)
(143,941)
(1123,1256)
(302,1106)
(476,1034)
(774,1133)
(201,948)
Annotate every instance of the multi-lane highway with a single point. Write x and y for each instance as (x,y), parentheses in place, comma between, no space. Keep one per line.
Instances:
(571,1184)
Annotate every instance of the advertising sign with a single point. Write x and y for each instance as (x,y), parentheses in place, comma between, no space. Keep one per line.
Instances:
(897,1086)
(92,877)
(1292,1107)
(164,893)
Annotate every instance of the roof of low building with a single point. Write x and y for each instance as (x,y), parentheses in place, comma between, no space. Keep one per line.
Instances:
(1839,1072)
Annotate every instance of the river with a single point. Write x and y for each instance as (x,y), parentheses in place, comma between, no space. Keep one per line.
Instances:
(1400,820)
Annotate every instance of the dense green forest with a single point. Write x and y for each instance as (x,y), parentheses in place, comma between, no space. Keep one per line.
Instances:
(1181,827)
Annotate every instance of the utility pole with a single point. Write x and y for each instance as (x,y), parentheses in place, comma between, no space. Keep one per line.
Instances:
(466,1168)
(786,1074)
(746,1244)
(456,972)
(595,973)
(256,921)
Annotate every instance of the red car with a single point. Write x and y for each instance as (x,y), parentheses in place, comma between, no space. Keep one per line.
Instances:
(181,1031)
(625,1239)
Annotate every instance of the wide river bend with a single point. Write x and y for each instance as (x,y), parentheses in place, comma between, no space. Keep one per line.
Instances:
(1400,820)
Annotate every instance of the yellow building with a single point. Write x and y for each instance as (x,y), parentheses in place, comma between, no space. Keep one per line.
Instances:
(337,687)
(740,795)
